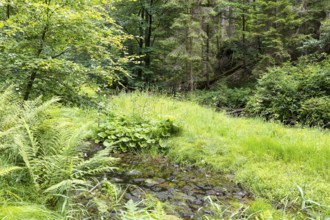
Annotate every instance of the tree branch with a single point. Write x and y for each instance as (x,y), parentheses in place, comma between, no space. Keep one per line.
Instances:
(61,53)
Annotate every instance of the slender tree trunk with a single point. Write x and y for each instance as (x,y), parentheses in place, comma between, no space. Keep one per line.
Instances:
(141,42)
(8,9)
(243,38)
(30,85)
(208,36)
(223,25)
(191,71)
(230,21)
(208,55)
(148,34)
(33,75)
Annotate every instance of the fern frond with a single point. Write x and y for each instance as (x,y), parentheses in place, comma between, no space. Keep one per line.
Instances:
(74,141)
(33,109)
(32,140)
(98,164)
(26,154)
(6,170)
(66,185)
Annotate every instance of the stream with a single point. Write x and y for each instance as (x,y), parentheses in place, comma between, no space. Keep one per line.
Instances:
(184,188)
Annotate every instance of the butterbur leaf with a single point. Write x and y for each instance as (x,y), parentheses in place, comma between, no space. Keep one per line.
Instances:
(136,133)
(102,134)
(107,143)
(125,139)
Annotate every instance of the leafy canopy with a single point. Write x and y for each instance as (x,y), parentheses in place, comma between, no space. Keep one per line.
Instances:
(57,45)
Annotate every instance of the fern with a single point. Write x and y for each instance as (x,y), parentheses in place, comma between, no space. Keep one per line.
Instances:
(7,170)
(98,164)
(66,185)
(46,143)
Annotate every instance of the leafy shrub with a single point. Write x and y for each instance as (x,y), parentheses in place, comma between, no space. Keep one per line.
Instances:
(316,112)
(294,94)
(223,97)
(126,133)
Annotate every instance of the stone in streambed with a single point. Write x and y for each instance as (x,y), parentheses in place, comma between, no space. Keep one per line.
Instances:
(133,173)
(155,181)
(156,188)
(189,189)
(138,180)
(129,196)
(137,193)
(184,210)
(162,196)
(204,187)
(116,180)
(210,192)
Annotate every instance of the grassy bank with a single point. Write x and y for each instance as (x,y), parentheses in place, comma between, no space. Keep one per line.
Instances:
(286,167)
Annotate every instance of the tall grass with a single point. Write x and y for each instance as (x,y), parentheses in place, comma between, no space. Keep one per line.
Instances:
(268,158)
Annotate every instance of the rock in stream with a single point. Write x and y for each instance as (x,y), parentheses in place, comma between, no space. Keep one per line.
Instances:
(184,188)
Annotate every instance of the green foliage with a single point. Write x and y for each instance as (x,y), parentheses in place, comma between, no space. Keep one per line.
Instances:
(222,97)
(132,211)
(6,170)
(315,112)
(312,45)
(123,133)
(42,150)
(53,47)
(268,159)
(26,212)
(293,94)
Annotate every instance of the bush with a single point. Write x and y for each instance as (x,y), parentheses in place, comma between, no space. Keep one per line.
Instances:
(316,112)
(294,94)
(124,133)
(223,97)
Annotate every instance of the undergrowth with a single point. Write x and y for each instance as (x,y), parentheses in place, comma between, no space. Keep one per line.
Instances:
(276,163)
(123,133)
(42,164)
(45,172)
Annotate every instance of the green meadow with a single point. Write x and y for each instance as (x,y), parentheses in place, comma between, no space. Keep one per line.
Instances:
(286,169)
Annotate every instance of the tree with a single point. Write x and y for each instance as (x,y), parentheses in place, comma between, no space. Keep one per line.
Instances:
(274,24)
(52,47)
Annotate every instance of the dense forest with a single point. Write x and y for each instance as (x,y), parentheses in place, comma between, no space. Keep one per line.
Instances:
(164,109)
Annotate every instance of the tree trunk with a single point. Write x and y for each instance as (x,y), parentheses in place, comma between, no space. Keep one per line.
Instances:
(231,28)
(30,85)
(191,71)
(207,55)
(141,42)
(8,9)
(223,25)
(148,34)
(243,39)
(33,75)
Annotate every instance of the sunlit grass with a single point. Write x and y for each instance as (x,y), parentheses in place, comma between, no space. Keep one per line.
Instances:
(26,212)
(268,158)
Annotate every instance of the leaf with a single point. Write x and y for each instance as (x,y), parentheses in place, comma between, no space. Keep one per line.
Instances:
(108,144)
(66,185)
(7,170)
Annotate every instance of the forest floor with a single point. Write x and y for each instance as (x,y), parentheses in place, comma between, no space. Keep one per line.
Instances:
(286,169)
(215,167)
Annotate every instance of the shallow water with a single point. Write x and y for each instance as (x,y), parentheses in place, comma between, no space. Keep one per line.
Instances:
(185,188)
